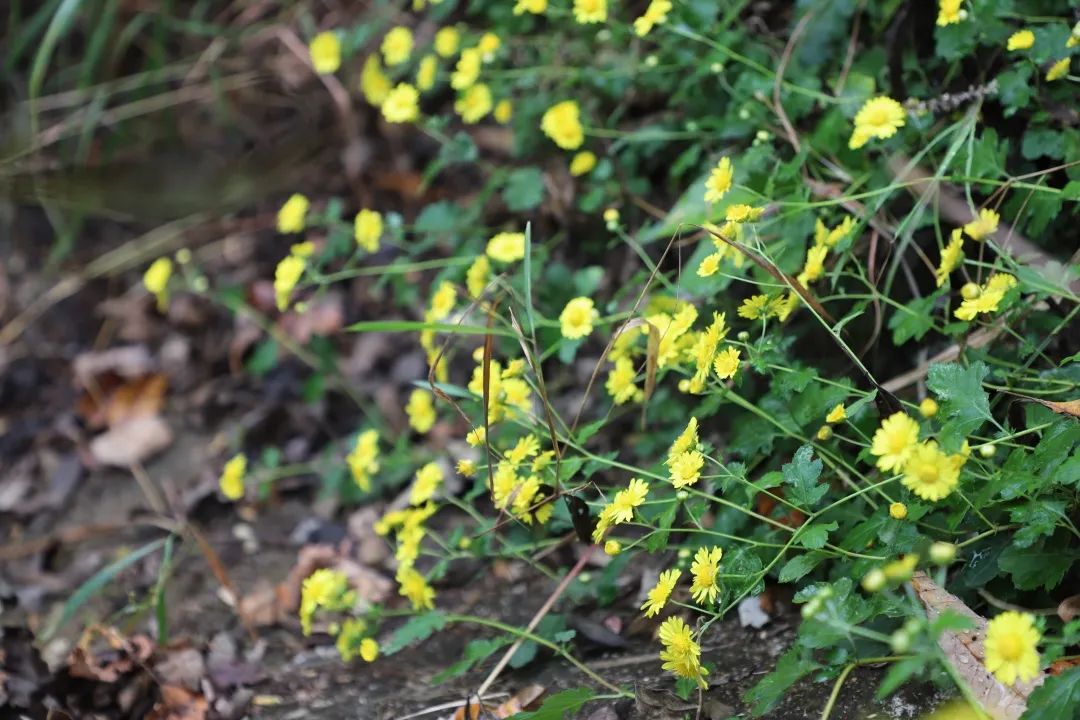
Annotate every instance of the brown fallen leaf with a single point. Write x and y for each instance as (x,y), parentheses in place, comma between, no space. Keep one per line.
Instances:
(178,703)
(966,652)
(132,441)
(520,700)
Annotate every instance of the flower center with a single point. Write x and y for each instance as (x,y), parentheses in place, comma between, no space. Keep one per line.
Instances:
(928,474)
(1010,647)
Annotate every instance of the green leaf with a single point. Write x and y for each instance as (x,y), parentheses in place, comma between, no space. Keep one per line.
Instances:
(801,474)
(1036,518)
(419,628)
(1037,565)
(524,189)
(899,674)
(912,321)
(1056,699)
(799,566)
(475,652)
(815,536)
(659,540)
(558,705)
(790,668)
(964,402)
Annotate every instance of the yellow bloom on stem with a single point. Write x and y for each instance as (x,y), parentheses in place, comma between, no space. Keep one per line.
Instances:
(727,363)
(814,267)
(928,408)
(1058,70)
(447,40)
(710,264)
(504,111)
(620,382)
(879,117)
(473,104)
(350,638)
(506,247)
(630,497)
(363,459)
(719,181)
(655,14)
(397,45)
(367,229)
(402,104)
(582,163)
(898,511)
(985,224)
(562,123)
(577,318)
(414,586)
(930,473)
(829,238)
(685,468)
(476,437)
(156,280)
(535,7)
(442,302)
(231,481)
(612,547)
(323,588)
(291,216)
(951,257)
(466,467)
(590,11)
(369,649)
(704,568)
(286,276)
(681,654)
(894,441)
(426,73)
(741,212)
(421,410)
(985,299)
(687,440)
(428,479)
(325,52)
(1020,40)
(374,83)
(488,45)
(1012,642)
(660,593)
(477,276)
(837,414)
(467,70)
(949,12)
(755,307)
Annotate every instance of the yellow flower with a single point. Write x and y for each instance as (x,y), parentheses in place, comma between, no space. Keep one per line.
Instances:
(488,45)
(426,73)
(590,11)
(824,433)
(898,511)
(442,301)
(659,595)
(286,276)
(928,408)
(880,118)
(350,638)
(402,104)
(704,568)
(325,52)
(476,437)
(1012,647)
(367,229)
(681,654)
(231,481)
(655,14)
(1058,70)
(373,82)
(624,502)
(397,46)
(414,586)
(951,256)
(710,264)
(582,163)
(727,363)
(1074,37)
(447,40)
(369,650)
(1020,40)
(474,103)
(476,277)
(290,218)
(504,111)
(829,238)
(985,299)
(815,264)
(577,318)
(949,12)
(755,307)
(363,460)
(930,473)
(985,224)
(323,588)
(421,410)
(467,70)
(467,468)
(536,7)
(685,468)
(837,414)
(719,181)
(741,212)
(901,570)
(562,123)
(894,441)
(428,479)
(612,547)
(687,440)
(620,382)
(506,247)
(611,217)
(156,280)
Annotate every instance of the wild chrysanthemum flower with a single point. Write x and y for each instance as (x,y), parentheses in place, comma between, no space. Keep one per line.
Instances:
(951,257)
(286,276)
(894,441)
(681,654)
(726,363)
(655,14)
(930,473)
(476,277)
(414,586)
(620,382)
(985,299)
(231,481)
(741,212)
(898,511)
(291,216)
(590,11)
(503,112)
(350,638)
(985,224)
(685,468)
(710,264)
(949,12)
(427,72)
(837,414)
(1012,647)
(582,163)
(467,70)
(630,497)
(506,247)
(829,238)
(467,467)
(363,459)
(524,449)
(447,40)
(880,118)
(367,229)
(687,440)
(899,571)
(473,104)
(156,280)
(536,7)
(402,104)
(488,44)
(325,52)
(374,83)
(814,267)
(660,593)
(476,437)
(719,181)
(428,479)
(704,569)
(928,408)
(562,123)
(755,307)
(1058,70)
(421,410)
(577,318)
(397,46)
(1020,40)
(324,588)
(442,302)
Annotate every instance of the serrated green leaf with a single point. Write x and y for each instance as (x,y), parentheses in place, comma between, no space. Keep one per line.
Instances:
(799,566)
(475,652)
(801,475)
(558,705)
(418,628)
(790,669)
(815,536)
(963,401)
(1056,699)
(524,189)
(1036,566)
